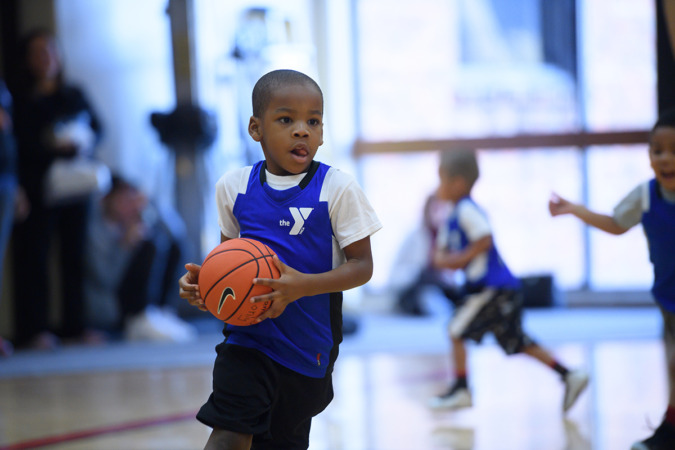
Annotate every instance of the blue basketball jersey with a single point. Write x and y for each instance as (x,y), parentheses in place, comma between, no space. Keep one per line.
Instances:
(297,226)
(658,223)
(496,273)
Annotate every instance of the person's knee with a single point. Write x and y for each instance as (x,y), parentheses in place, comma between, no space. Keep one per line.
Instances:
(228,440)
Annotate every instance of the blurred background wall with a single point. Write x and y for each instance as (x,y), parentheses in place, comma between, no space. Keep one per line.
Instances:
(391,72)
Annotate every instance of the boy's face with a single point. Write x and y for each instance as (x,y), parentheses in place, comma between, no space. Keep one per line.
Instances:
(662,156)
(291,129)
(452,187)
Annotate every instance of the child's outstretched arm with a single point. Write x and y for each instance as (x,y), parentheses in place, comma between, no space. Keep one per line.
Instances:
(559,206)
(292,285)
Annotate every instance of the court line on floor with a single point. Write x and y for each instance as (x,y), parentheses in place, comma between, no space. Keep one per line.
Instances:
(98,431)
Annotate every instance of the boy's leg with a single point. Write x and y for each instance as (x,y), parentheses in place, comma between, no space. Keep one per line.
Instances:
(467,322)
(575,381)
(512,339)
(669,345)
(299,399)
(244,384)
(459,356)
(664,435)
(224,439)
(255,396)
(458,394)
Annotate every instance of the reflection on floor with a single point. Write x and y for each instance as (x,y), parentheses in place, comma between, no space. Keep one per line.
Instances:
(144,395)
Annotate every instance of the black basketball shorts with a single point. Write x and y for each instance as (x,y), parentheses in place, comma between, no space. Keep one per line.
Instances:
(498,311)
(252,394)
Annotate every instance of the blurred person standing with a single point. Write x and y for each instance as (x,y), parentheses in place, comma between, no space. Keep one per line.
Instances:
(53,122)
(8,186)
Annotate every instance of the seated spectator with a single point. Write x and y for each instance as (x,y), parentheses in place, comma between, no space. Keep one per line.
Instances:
(132,256)
(413,270)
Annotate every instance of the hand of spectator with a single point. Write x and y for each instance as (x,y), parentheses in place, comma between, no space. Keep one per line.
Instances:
(134,233)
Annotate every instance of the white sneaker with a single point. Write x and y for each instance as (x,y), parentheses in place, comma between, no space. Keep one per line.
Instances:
(146,326)
(575,383)
(456,398)
(181,330)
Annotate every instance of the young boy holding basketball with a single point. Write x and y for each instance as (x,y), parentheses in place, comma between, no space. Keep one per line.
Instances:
(492,300)
(652,203)
(272,377)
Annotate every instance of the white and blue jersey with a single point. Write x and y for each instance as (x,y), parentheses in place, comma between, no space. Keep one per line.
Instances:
(468,223)
(307,220)
(658,223)
(654,207)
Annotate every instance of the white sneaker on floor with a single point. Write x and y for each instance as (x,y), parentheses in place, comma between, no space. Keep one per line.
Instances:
(181,330)
(575,383)
(454,399)
(146,326)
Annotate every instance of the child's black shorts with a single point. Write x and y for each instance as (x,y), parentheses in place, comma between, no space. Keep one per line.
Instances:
(252,394)
(492,310)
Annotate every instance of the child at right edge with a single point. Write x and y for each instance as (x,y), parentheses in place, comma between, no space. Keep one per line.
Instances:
(651,203)
(492,301)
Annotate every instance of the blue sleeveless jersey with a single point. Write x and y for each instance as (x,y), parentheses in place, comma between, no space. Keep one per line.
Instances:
(497,274)
(297,226)
(659,227)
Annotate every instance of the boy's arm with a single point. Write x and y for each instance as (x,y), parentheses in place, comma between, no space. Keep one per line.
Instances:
(292,285)
(444,259)
(559,206)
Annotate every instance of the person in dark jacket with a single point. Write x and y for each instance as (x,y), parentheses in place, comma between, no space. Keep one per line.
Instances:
(53,121)
(8,185)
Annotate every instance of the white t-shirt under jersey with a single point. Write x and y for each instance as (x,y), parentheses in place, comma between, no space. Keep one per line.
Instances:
(352,217)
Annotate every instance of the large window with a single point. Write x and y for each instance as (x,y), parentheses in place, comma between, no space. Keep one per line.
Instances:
(439,69)
(429,69)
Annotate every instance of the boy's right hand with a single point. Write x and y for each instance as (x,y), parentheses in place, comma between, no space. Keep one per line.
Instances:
(189,289)
(558,205)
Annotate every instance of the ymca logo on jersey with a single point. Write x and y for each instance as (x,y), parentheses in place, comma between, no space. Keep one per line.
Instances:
(299,217)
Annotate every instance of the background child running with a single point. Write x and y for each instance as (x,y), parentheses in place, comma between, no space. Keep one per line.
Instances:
(492,300)
(652,203)
(271,378)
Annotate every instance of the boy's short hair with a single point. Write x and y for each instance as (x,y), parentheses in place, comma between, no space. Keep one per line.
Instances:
(263,89)
(461,162)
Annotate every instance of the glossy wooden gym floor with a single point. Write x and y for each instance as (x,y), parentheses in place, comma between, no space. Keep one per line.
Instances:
(144,396)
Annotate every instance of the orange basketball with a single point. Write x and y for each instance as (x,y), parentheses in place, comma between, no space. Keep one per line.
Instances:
(226,280)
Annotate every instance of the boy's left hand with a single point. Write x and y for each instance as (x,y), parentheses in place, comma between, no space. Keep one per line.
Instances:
(286,289)
(450,260)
